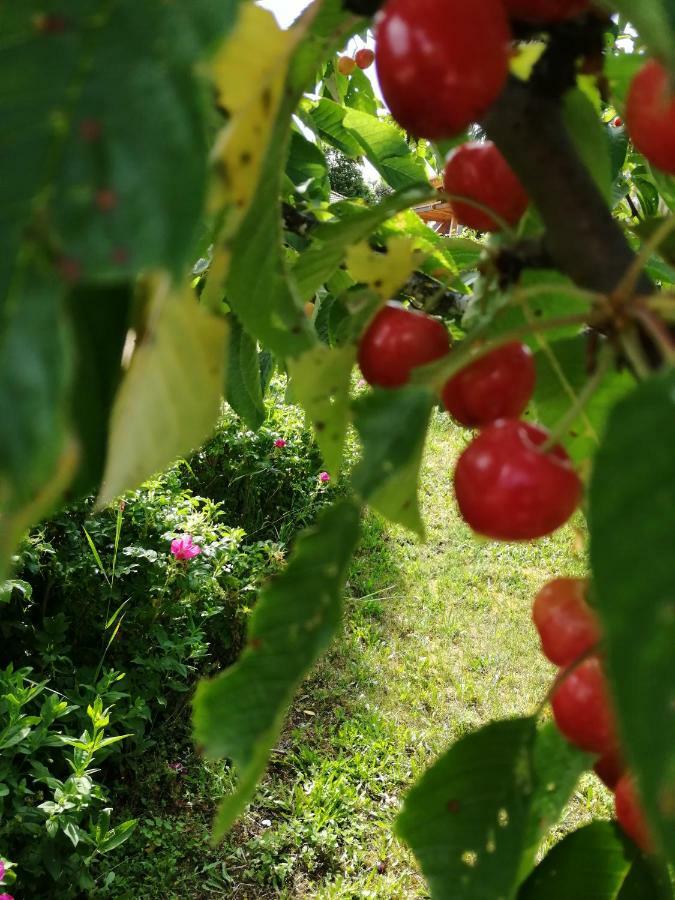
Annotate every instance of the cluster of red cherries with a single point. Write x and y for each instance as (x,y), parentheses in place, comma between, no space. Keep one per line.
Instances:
(513,482)
(442,64)
(570,634)
(507,486)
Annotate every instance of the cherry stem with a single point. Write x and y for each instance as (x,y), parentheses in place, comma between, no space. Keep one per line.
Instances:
(437,373)
(481,207)
(628,284)
(632,347)
(579,405)
(663,304)
(658,332)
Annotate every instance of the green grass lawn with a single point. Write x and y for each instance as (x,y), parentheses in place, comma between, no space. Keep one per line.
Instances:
(437,641)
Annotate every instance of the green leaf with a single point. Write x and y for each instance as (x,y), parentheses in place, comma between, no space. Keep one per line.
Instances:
(392,426)
(360,94)
(591,863)
(331,239)
(561,375)
(632,519)
(321,380)
(620,69)
(476,817)
(647,878)
(117,836)
(466,818)
(258,289)
(326,119)
(244,387)
(239,713)
(386,149)
(590,138)
(170,398)
(7,588)
(556,769)
(305,161)
(655,22)
(100,318)
(118,189)
(36,457)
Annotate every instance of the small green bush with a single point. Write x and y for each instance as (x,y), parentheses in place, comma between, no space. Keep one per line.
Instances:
(104,633)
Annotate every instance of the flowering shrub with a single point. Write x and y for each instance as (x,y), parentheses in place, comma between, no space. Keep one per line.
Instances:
(183,548)
(121,618)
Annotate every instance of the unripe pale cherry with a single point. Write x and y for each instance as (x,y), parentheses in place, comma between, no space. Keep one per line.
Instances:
(498,385)
(509,489)
(441,63)
(629,813)
(479,172)
(567,625)
(582,708)
(346,65)
(650,115)
(545,11)
(397,341)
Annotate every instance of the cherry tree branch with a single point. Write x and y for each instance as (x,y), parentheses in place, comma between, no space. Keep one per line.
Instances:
(582,237)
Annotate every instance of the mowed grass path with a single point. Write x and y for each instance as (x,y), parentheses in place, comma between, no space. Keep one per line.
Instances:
(437,641)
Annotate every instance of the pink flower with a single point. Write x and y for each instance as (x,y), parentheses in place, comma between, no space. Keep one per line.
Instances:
(183,548)
(325,477)
(2,870)
(6,897)
(280,442)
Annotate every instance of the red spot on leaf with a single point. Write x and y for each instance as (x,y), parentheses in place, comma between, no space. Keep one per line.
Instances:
(47,23)
(120,256)
(106,199)
(69,269)
(90,130)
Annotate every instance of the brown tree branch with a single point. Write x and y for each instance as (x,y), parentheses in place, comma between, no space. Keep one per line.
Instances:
(582,237)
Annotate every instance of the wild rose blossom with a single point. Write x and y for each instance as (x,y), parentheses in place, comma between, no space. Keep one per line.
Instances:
(6,897)
(280,442)
(324,477)
(2,870)
(184,548)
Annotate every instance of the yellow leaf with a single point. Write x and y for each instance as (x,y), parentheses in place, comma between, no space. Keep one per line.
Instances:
(385,272)
(526,59)
(249,72)
(170,398)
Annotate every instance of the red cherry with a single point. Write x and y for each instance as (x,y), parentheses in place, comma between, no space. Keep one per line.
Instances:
(609,768)
(650,114)
(545,10)
(346,65)
(441,63)
(629,813)
(618,122)
(508,489)
(480,172)
(496,386)
(582,708)
(566,624)
(364,57)
(397,341)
